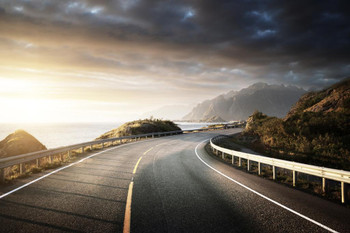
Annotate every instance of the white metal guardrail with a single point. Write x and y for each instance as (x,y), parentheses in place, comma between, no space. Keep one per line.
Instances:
(325,173)
(35,156)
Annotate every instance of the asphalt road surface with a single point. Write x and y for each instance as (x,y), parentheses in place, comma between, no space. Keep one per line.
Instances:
(168,184)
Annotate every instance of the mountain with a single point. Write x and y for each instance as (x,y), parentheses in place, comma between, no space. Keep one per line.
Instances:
(140,127)
(274,100)
(19,142)
(316,130)
(171,112)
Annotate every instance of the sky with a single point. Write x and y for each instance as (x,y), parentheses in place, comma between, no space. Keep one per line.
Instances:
(99,61)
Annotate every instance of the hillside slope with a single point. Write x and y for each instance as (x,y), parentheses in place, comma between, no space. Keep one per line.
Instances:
(333,99)
(141,127)
(274,100)
(19,142)
(316,130)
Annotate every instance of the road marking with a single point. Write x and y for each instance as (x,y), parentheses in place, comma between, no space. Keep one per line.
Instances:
(53,172)
(148,150)
(127,217)
(261,195)
(60,169)
(135,168)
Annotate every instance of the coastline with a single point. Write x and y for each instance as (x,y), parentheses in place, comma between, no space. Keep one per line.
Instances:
(54,135)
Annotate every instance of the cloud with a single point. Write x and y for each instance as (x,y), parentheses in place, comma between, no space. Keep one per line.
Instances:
(187,45)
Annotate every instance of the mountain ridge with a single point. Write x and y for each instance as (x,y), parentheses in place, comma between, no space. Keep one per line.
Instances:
(274,100)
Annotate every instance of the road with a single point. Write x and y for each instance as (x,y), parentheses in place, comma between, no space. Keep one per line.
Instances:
(173,190)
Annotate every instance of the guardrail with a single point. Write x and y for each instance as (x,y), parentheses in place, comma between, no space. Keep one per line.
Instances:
(325,173)
(21,160)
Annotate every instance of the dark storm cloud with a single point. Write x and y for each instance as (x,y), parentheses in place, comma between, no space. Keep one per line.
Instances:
(298,42)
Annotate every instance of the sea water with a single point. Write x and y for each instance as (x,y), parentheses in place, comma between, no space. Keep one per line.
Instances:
(64,134)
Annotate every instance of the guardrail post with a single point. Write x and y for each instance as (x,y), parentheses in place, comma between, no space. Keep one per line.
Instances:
(324,185)
(50,159)
(295,178)
(2,175)
(61,157)
(152,135)
(233,159)
(239,162)
(344,192)
(37,162)
(248,165)
(82,150)
(259,168)
(103,146)
(222,155)
(69,154)
(91,147)
(273,172)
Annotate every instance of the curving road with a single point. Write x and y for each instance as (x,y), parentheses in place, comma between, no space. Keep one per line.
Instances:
(173,186)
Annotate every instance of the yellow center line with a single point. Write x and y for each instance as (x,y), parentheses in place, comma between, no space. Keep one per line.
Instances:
(135,168)
(127,217)
(148,150)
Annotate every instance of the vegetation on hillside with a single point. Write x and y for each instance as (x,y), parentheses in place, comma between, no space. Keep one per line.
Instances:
(141,127)
(316,131)
(19,142)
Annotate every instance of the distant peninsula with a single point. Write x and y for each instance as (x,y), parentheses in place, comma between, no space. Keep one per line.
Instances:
(141,127)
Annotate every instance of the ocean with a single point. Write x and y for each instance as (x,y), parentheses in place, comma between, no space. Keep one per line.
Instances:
(64,134)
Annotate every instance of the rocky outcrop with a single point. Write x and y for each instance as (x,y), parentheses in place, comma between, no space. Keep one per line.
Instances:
(19,142)
(141,127)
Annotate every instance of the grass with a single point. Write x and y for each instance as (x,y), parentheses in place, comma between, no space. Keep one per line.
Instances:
(141,127)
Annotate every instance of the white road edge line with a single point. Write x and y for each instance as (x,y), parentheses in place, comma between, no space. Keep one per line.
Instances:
(60,169)
(261,195)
